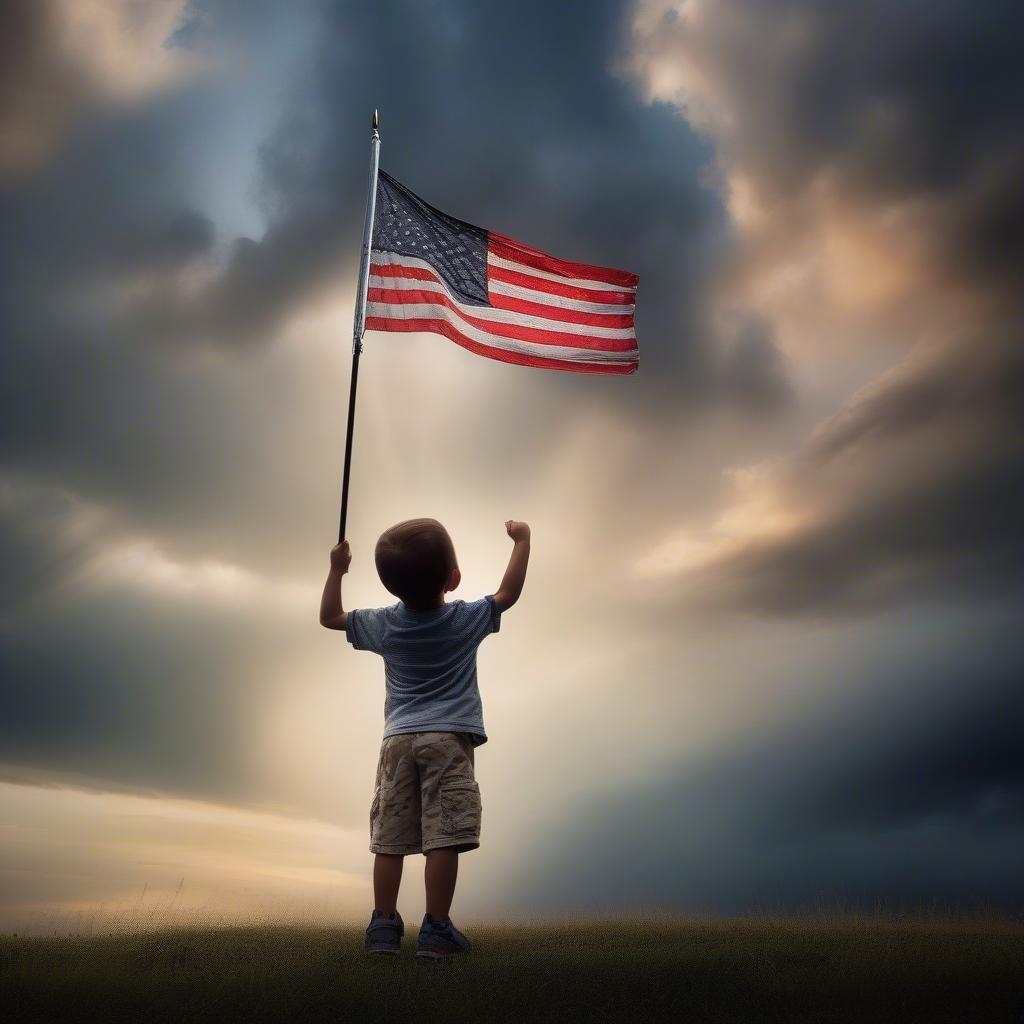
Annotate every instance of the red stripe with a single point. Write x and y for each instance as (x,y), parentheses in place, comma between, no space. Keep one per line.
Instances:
(569,316)
(397,270)
(442,327)
(509,249)
(498,301)
(540,284)
(412,296)
(524,280)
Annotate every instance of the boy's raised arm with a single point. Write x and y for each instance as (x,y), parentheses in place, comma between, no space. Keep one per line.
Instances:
(332,615)
(515,575)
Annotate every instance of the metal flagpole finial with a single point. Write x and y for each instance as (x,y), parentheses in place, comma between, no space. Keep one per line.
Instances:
(376,120)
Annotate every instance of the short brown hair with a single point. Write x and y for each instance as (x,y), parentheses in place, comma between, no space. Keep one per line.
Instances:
(414,560)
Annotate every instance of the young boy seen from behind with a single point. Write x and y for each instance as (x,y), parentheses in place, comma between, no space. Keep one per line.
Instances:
(426,798)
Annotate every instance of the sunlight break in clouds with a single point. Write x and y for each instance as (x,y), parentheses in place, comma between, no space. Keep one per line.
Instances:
(101,861)
(141,564)
(756,509)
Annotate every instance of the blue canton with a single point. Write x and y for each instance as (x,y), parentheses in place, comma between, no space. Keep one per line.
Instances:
(406,225)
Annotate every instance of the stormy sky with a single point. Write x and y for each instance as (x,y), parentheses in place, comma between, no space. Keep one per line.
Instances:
(769,650)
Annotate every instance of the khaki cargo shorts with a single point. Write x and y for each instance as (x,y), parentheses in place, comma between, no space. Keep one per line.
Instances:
(425,796)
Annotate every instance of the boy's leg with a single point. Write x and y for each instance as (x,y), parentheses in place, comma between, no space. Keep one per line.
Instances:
(450,802)
(439,875)
(387,877)
(394,819)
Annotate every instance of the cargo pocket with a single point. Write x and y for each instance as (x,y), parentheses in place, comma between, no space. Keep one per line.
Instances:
(460,807)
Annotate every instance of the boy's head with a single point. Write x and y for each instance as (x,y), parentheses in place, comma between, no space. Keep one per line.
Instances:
(416,562)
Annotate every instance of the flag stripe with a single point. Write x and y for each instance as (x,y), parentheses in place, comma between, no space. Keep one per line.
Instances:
(389,264)
(392,268)
(499,300)
(510,249)
(506,355)
(518,291)
(569,291)
(442,307)
(546,318)
(494,260)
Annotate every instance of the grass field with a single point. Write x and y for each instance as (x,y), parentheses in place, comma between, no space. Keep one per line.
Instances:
(753,969)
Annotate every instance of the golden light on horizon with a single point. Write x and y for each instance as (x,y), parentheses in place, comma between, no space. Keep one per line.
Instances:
(131,859)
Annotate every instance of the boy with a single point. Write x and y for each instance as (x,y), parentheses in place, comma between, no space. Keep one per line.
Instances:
(426,799)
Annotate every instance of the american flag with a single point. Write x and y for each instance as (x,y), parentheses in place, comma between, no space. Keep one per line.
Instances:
(493,295)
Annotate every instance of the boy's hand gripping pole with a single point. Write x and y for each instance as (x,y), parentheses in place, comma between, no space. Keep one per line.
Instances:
(359,320)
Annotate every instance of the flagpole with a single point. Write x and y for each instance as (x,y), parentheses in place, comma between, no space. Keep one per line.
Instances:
(359,320)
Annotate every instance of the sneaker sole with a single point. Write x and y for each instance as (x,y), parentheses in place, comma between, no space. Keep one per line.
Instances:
(382,949)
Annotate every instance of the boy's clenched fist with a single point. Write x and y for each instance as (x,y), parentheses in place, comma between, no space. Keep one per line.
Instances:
(517,530)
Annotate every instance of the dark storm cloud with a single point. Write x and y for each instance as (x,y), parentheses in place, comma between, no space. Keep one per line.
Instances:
(102,435)
(755,367)
(60,61)
(78,404)
(916,103)
(912,488)
(38,86)
(915,489)
(145,692)
(511,119)
(952,385)
(39,548)
(114,203)
(124,685)
(910,785)
(507,117)
(908,788)
(961,761)
(90,400)
(894,101)
(911,493)
(516,123)
(954,536)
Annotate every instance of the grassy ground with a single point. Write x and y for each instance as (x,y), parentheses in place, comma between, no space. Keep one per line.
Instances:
(793,970)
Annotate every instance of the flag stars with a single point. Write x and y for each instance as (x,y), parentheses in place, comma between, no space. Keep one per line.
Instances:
(457,251)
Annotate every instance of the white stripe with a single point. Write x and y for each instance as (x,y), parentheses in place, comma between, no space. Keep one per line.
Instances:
(519,292)
(501,316)
(576,282)
(500,288)
(417,311)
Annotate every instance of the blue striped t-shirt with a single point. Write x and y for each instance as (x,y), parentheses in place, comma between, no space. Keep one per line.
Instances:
(429,663)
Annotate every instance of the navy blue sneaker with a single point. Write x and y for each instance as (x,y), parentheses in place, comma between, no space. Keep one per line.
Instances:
(440,939)
(385,931)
